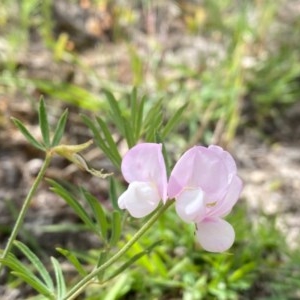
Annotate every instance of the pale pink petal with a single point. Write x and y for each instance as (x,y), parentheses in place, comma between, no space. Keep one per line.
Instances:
(227,159)
(202,168)
(144,162)
(215,235)
(190,205)
(140,199)
(181,173)
(225,206)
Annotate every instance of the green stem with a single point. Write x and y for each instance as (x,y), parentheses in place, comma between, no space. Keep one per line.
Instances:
(25,207)
(81,285)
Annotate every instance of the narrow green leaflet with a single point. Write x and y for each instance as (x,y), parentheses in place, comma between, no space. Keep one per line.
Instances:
(129,133)
(36,263)
(23,272)
(154,111)
(28,135)
(153,121)
(72,202)
(113,193)
(60,128)
(154,128)
(73,260)
(98,212)
(173,121)
(116,288)
(60,281)
(134,106)
(101,260)
(40,288)
(109,140)
(139,119)
(116,113)
(116,229)
(99,140)
(44,125)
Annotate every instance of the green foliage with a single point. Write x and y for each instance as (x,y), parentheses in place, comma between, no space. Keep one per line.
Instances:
(216,86)
(28,135)
(134,122)
(45,130)
(43,284)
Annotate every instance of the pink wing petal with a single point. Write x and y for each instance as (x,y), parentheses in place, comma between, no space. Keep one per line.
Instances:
(144,162)
(140,199)
(225,206)
(227,159)
(215,235)
(181,173)
(190,205)
(202,168)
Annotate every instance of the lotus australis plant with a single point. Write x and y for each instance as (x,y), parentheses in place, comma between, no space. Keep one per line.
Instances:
(204,184)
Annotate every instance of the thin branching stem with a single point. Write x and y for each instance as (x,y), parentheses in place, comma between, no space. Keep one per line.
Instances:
(26,204)
(81,285)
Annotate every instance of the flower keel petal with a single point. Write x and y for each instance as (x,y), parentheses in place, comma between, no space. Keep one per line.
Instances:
(140,199)
(190,205)
(215,235)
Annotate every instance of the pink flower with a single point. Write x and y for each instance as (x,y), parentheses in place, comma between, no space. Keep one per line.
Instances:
(205,185)
(143,167)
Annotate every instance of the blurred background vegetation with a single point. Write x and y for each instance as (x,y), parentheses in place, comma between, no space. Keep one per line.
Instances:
(236,64)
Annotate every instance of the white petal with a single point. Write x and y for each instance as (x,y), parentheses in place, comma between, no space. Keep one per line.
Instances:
(215,235)
(140,199)
(190,205)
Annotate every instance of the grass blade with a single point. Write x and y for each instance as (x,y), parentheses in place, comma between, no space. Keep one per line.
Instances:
(44,125)
(28,135)
(60,128)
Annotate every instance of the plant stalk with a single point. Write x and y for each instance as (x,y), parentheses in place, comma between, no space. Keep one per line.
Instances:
(81,285)
(25,207)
